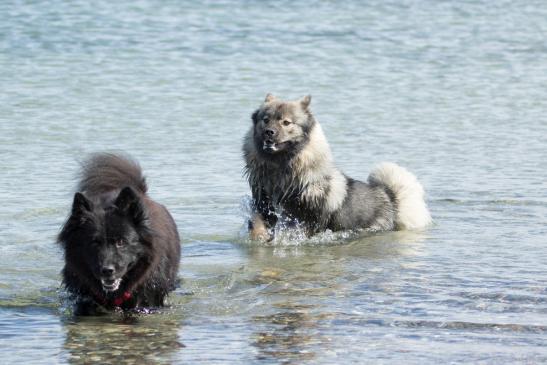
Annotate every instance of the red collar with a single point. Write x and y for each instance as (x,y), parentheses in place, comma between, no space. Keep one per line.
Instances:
(122,299)
(116,302)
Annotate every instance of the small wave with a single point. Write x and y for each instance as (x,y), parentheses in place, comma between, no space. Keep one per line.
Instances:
(461,325)
(475,202)
(504,297)
(44,299)
(456,325)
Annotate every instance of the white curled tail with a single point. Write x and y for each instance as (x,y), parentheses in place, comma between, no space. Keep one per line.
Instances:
(412,212)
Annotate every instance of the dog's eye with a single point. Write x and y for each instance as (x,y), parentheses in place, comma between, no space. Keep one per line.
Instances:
(266,120)
(286,122)
(120,243)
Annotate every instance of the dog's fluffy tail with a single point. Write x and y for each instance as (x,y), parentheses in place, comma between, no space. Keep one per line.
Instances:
(412,212)
(104,172)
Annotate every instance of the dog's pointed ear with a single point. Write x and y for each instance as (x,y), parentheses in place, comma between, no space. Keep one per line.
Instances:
(254,117)
(305,102)
(269,98)
(81,205)
(130,204)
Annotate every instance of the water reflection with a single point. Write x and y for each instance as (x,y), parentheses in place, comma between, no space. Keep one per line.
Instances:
(289,335)
(123,339)
(299,282)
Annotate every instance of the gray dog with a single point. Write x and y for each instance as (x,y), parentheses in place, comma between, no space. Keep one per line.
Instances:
(292,175)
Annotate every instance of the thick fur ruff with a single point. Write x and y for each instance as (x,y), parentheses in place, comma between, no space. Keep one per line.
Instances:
(121,248)
(310,176)
(291,173)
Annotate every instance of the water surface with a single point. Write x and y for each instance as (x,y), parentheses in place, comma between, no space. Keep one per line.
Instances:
(453,91)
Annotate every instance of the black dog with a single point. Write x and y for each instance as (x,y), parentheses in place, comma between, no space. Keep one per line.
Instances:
(121,248)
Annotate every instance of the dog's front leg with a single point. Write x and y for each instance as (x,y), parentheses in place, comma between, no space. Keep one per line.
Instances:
(263,218)
(258,229)
(88,307)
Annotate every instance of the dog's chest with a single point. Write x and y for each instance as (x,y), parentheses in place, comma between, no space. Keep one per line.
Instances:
(281,187)
(286,189)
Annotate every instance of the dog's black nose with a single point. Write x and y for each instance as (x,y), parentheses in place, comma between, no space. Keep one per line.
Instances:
(107,270)
(269,132)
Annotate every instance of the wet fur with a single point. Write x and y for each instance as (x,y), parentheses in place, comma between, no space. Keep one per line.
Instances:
(302,183)
(110,207)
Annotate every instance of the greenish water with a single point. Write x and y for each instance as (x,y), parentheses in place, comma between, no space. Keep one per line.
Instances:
(453,91)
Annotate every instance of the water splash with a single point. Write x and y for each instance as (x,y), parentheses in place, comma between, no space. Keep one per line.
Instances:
(290,232)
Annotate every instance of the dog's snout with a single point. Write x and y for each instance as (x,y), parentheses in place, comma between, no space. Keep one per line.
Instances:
(269,132)
(107,270)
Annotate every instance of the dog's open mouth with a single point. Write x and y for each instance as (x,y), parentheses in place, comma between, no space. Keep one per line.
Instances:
(110,285)
(269,146)
(272,146)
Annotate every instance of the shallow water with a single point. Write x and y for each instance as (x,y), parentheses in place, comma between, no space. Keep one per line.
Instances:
(454,92)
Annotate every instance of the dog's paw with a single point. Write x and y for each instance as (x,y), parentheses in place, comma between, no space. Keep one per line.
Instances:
(258,230)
